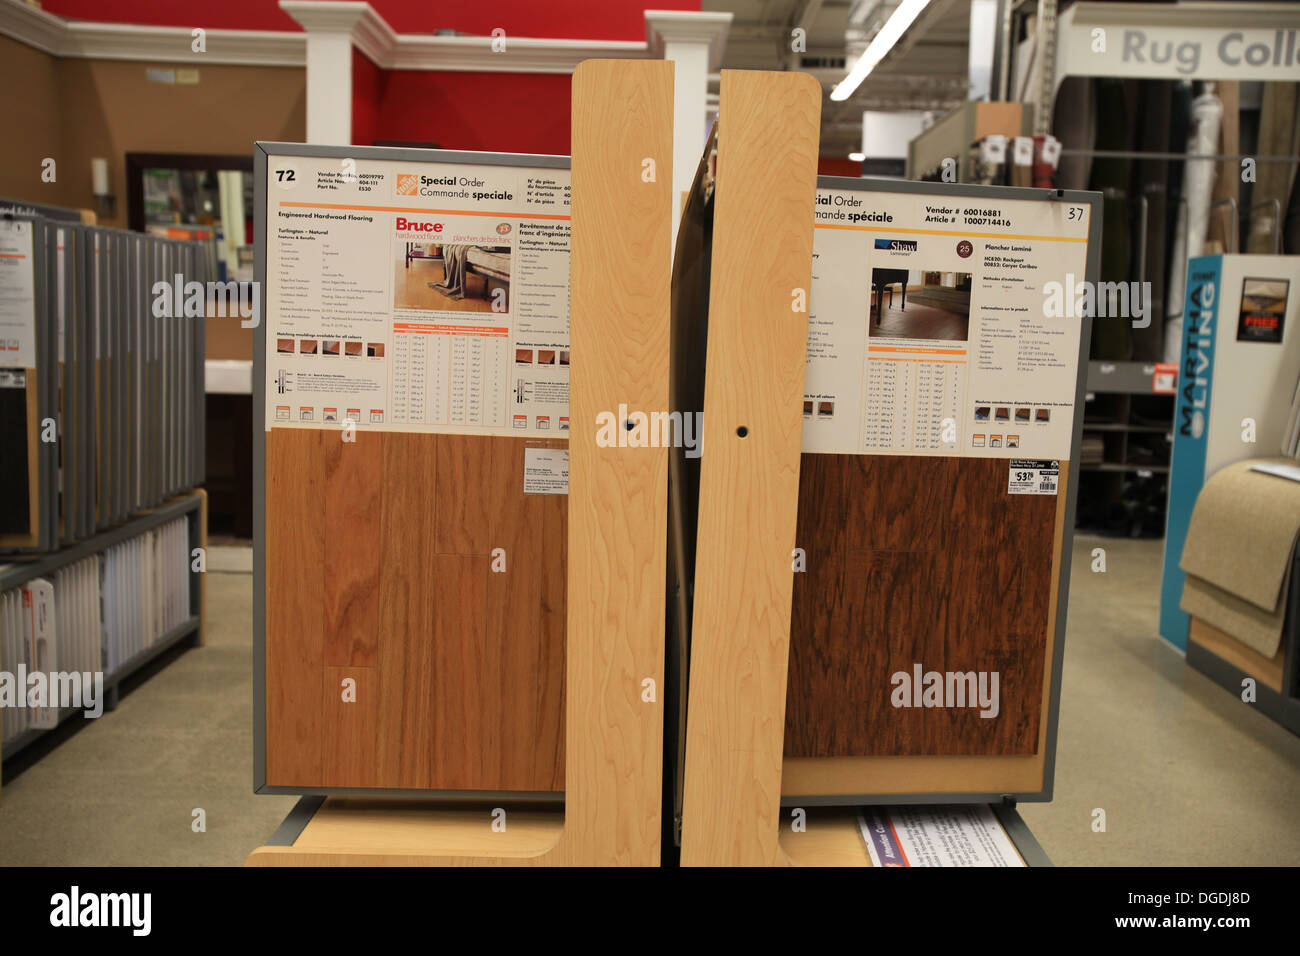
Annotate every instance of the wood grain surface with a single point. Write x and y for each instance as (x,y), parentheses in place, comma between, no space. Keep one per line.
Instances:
(916,560)
(379,569)
(749,477)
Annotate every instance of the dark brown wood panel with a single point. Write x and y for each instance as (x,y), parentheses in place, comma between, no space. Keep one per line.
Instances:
(385,548)
(916,560)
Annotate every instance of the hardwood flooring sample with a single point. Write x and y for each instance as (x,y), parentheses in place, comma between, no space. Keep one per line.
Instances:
(380,557)
(917,560)
(295,605)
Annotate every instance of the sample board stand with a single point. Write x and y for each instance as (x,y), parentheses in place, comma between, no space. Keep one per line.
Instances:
(761,260)
(621,221)
(739,771)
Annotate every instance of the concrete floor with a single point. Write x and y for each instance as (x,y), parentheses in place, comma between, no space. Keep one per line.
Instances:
(1185,772)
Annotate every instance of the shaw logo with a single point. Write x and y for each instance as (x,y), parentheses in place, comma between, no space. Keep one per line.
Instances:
(74,909)
(406,225)
(897,245)
(407,184)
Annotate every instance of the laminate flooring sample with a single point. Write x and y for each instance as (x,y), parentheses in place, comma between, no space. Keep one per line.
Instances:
(380,558)
(917,560)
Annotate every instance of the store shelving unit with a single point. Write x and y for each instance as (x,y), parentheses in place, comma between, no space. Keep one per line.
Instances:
(192,507)
(1134,424)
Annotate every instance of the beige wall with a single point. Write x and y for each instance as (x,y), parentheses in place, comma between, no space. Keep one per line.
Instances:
(33,125)
(76,109)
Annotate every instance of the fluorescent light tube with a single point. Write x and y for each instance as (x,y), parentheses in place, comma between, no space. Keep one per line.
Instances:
(904,16)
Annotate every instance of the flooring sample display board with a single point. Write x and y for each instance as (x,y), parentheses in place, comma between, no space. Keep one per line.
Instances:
(946,329)
(613,559)
(101,377)
(413,377)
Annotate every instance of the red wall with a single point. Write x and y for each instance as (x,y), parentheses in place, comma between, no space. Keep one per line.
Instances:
(833,166)
(522,113)
(575,19)
(496,112)
(366,81)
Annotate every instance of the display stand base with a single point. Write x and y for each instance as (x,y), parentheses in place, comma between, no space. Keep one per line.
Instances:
(345,832)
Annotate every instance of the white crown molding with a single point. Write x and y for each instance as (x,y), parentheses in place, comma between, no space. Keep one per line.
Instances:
(521,54)
(684,26)
(121,41)
(369,33)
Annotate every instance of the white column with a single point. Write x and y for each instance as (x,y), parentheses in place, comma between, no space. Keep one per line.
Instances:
(694,43)
(330,27)
(329,88)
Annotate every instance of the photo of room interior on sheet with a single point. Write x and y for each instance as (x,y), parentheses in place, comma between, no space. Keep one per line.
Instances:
(920,304)
(450,277)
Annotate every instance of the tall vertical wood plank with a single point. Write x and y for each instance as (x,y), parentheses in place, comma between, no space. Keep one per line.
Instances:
(618,497)
(749,482)
(295,605)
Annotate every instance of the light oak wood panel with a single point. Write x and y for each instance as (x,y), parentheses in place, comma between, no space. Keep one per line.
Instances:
(390,832)
(618,497)
(831,837)
(295,605)
(749,486)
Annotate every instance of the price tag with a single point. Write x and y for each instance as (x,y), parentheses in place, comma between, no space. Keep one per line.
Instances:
(1030,476)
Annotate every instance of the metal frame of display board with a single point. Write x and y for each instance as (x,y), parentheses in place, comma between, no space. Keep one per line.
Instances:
(1092,273)
(263,150)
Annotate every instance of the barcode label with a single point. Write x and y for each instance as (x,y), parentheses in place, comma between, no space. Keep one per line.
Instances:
(1033,477)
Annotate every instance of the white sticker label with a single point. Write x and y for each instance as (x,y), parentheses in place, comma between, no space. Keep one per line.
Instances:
(1024,150)
(546,471)
(1033,477)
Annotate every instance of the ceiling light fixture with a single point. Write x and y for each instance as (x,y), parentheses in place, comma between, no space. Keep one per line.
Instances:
(857,157)
(904,16)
